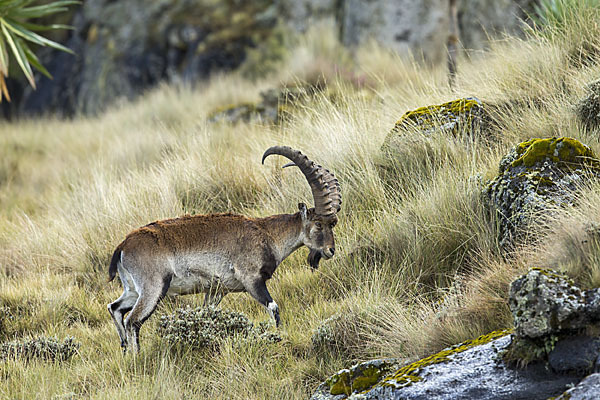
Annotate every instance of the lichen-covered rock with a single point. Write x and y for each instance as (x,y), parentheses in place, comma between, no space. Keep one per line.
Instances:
(588,108)
(535,177)
(358,378)
(587,389)
(447,117)
(471,370)
(206,327)
(544,303)
(40,348)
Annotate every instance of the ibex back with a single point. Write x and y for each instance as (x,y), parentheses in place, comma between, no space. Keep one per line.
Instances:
(220,253)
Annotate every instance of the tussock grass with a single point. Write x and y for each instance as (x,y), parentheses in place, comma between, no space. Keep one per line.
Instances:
(417,267)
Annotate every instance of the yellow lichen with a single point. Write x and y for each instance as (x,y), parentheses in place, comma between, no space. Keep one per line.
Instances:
(340,383)
(410,373)
(369,376)
(431,116)
(565,150)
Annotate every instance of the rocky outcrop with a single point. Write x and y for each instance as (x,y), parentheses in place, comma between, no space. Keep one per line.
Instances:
(555,361)
(587,389)
(534,178)
(124,47)
(421,27)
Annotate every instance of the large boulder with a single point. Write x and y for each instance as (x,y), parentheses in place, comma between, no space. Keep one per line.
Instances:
(535,178)
(460,115)
(421,27)
(502,364)
(470,370)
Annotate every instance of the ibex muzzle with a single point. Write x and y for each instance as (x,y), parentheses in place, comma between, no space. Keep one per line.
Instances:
(220,253)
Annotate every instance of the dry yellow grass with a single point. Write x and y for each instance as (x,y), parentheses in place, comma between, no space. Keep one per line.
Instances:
(417,268)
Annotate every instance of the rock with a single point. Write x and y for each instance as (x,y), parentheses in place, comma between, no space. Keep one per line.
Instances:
(471,370)
(302,14)
(535,177)
(546,303)
(480,20)
(588,108)
(418,27)
(124,47)
(548,309)
(448,117)
(548,312)
(271,109)
(577,353)
(587,389)
(421,28)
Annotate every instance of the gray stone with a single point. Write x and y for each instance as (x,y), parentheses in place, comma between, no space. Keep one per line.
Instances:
(544,303)
(124,47)
(577,353)
(421,27)
(476,373)
(587,389)
(406,26)
(535,179)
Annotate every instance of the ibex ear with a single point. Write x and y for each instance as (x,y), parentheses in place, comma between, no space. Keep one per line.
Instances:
(303,210)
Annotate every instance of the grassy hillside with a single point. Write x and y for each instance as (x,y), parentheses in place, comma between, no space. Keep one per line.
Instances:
(417,267)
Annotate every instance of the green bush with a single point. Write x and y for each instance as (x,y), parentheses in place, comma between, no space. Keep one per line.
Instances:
(42,348)
(207,327)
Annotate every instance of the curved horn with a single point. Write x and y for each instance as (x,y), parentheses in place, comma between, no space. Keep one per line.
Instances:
(325,187)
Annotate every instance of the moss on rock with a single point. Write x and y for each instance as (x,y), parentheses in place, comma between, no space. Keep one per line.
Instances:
(534,178)
(340,383)
(449,116)
(409,374)
(559,150)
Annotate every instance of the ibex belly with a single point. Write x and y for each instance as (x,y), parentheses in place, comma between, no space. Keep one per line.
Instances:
(201,272)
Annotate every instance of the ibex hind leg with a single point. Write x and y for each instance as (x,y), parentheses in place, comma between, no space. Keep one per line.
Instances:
(118,309)
(151,292)
(258,290)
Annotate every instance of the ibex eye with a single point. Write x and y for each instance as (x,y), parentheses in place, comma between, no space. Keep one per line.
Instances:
(318,225)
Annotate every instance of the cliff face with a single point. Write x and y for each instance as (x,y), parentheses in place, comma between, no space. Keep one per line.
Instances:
(124,47)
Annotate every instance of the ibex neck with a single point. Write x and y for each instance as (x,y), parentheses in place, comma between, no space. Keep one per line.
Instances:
(286,234)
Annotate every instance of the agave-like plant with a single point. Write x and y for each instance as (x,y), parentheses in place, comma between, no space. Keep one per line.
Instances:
(17,33)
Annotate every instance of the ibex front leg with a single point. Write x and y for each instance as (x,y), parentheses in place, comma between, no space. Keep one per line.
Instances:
(258,289)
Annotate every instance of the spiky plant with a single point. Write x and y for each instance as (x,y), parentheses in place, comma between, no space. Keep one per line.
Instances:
(17,33)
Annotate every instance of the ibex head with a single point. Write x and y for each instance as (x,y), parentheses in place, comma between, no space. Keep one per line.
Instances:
(317,222)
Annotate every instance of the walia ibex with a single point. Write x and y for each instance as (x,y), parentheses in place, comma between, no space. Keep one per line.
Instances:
(220,253)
